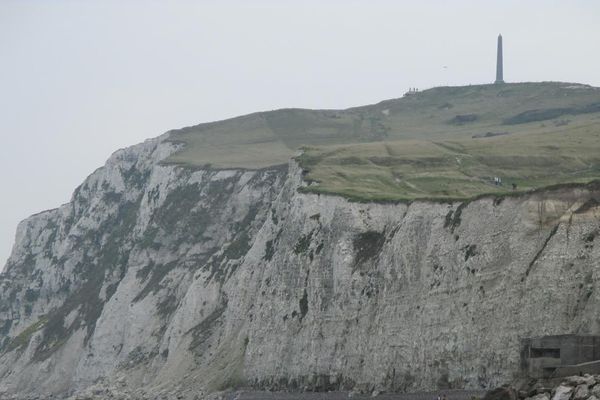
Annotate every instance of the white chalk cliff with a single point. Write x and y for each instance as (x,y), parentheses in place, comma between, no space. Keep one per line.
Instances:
(163,279)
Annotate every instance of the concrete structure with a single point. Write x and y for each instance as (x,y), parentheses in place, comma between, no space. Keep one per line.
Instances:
(499,66)
(562,355)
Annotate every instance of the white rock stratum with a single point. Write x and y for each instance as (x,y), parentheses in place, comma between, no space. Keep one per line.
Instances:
(162,279)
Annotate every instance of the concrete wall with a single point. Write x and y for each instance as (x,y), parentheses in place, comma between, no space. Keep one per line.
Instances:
(548,356)
(592,368)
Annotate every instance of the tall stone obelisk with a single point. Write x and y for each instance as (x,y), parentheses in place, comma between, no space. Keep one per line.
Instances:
(499,72)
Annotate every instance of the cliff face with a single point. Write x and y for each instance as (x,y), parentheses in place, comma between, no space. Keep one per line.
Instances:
(167,279)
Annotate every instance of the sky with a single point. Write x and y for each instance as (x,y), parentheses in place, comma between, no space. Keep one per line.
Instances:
(81,79)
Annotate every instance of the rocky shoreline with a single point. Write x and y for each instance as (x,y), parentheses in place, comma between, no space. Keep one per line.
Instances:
(585,387)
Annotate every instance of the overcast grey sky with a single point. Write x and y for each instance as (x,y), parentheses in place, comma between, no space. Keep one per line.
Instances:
(80,79)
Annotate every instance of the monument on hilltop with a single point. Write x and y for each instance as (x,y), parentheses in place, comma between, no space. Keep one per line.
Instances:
(499,72)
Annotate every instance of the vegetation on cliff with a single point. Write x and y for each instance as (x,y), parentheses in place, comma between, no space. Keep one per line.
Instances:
(442,143)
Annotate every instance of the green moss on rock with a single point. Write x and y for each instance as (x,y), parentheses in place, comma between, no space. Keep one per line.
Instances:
(367,246)
(303,243)
(21,341)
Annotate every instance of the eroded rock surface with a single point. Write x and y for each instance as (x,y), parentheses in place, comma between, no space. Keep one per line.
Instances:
(161,279)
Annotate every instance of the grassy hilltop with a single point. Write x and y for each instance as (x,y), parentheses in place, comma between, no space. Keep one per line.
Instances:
(446,142)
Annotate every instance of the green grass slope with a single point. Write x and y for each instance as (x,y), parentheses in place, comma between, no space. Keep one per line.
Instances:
(442,143)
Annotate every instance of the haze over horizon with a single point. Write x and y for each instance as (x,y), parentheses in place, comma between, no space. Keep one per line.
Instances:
(81,80)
